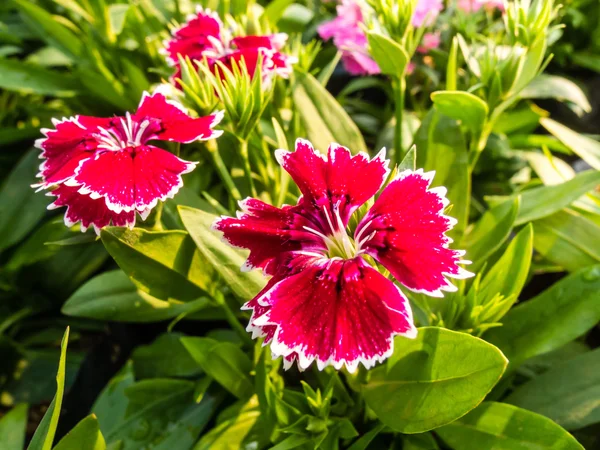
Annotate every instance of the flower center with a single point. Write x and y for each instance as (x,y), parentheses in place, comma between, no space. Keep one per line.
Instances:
(339,244)
(124,133)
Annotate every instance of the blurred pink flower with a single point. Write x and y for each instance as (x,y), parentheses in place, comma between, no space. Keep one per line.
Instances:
(426,12)
(350,39)
(430,41)
(472,6)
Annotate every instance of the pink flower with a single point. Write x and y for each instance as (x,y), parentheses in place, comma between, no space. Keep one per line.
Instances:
(349,38)
(325,300)
(203,36)
(471,6)
(104,170)
(429,42)
(426,12)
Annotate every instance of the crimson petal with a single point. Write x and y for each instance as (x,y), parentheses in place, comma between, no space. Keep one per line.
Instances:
(175,124)
(339,181)
(405,231)
(268,232)
(131,180)
(337,312)
(88,211)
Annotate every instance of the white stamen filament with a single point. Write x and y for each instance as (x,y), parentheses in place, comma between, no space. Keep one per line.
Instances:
(110,139)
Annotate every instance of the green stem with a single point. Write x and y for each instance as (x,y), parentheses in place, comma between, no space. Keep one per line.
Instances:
(247,169)
(399,87)
(211,146)
(232,319)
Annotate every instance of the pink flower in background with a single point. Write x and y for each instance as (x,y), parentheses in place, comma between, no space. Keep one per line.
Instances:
(104,170)
(350,39)
(203,37)
(429,42)
(325,301)
(471,6)
(426,12)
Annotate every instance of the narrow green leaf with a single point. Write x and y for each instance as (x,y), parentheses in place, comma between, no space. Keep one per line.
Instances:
(12,428)
(462,106)
(165,357)
(509,274)
(390,56)
(323,118)
(164,264)
(30,79)
(15,221)
(111,405)
(50,30)
(409,162)
(568,393)
(116,17)
(224,362)
(44,435)
(226,260)
(586,148)
(433,380)
(113,296)
(275,9)
(559,88)
(563,312)
(500,426)
(490,232)
(85,436)
(545,200)
(568,239)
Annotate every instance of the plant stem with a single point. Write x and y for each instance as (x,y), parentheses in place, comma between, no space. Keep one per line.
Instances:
(247,169)
(399,87)
(232,319)
(223,172)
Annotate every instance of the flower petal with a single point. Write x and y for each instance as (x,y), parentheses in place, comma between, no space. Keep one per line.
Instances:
(66,146)
(176,124)
(269,41)
(134,180)
(194,37)
(88,211)
(337,312)
(268,232)
(340,180)
(405,231)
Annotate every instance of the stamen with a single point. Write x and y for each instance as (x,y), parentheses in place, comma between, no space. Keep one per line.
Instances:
(362,230)
(140,132)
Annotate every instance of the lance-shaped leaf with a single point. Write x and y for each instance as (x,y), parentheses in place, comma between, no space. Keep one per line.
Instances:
(85,436)
(12,428)
(390,56)
(465,107)
(586,148)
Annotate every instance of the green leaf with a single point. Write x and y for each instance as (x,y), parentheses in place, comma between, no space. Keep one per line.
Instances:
(465,107)
(423,441)
(165,357)
(588,60)
(162,415)
(49,29)
(545,200)
(390,56)
(583,146)
(15,221)
(559,88)
(568,393)
(12,428)
(508,276)
(441,147)
(275,9)
(409,162)
(165,264)
(490,232)
(433,380)
(563,312)
(568,239)
(500,426)
(116,15)
(363,442)
(85,436)
(224,362)
(30,79)
(112,296)
(44,435)
(226,260)
(323,118)
(111,405)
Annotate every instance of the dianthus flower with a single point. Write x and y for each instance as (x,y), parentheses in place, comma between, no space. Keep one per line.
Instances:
(327,300)
(426,12)
(430,41)
(350,39)
(104,169)
(204,38)
(471,6)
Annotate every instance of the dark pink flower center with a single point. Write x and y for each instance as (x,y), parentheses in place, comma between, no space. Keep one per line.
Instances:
(126,132)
